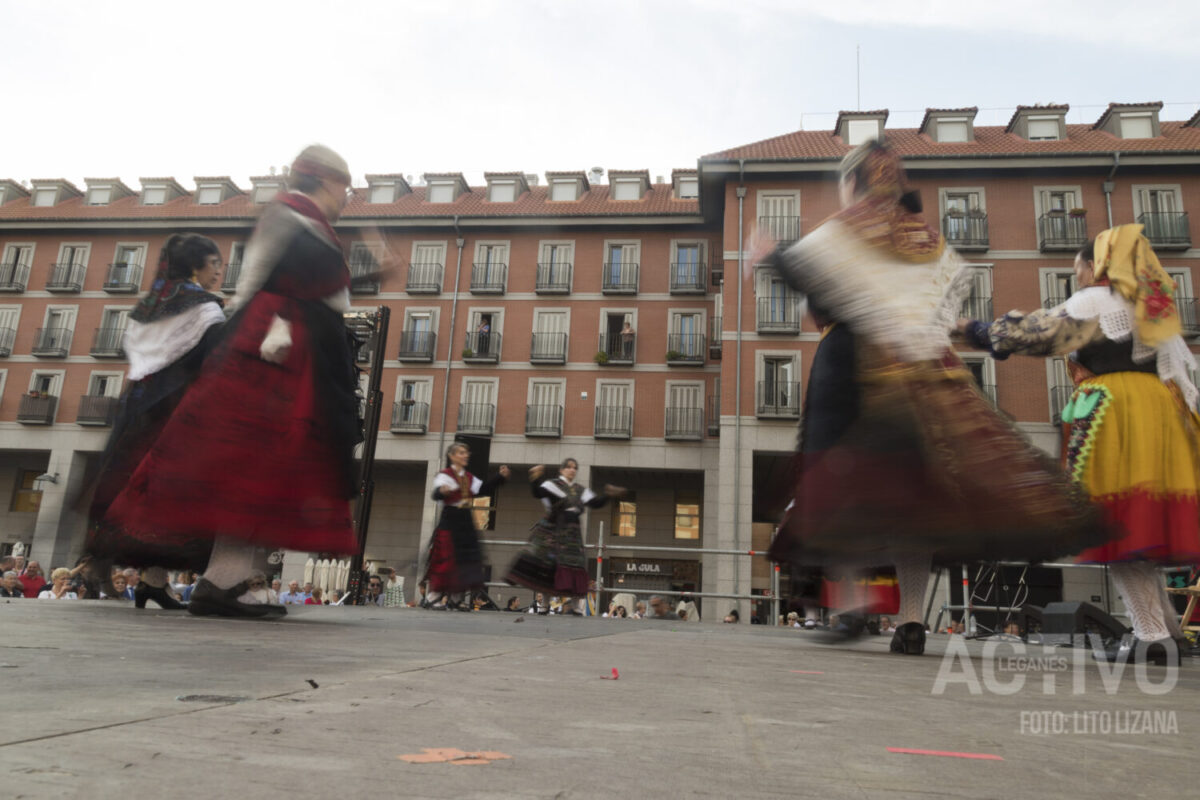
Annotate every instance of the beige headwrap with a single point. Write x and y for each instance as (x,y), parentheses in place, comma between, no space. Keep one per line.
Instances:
(1126,261)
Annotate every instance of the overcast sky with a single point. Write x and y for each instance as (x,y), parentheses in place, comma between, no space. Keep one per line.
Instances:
(132,89)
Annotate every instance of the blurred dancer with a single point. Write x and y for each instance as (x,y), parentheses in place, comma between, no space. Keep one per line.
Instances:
(261,450)
(902,461)
(1133,424)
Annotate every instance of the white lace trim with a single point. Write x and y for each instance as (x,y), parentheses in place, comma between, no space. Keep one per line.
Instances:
(905,306)
(152,346)
(1173,359)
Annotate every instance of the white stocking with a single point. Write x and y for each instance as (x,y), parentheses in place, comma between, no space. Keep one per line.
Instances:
(912,573)
(231,562)
(1140,585)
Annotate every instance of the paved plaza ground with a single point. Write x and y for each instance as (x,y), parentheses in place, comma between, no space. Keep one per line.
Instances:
(100,701)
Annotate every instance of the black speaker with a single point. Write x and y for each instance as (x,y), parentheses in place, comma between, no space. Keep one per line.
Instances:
(1031,618)
(1065,622)
(481,449)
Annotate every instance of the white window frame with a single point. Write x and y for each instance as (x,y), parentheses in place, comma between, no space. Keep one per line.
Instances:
(9,247)
(559,183)
(1182,275)
(470,378)
(95,190)
(624,184)
(441,186)
(672,384)
(424,380)
(142,247)
(637,257)
(412,259)
(102,373)
(156,189)
(16,317)
(857,133)
(505,185)
(760,365)
(1051,374)
(1046,272)
(204,189)
(986,360)
(762,194)
(562,391)
(1138,188)
(73,315)
(57,377)
(629,382)
(541,311)
(85,246)
(260,196)
(497,326)
(963,121)
(694,182)
(40,192)
(1038,210)
(3,383)
(944,193)
(1136,115)
(433,312)
(1058,127)
(627,311)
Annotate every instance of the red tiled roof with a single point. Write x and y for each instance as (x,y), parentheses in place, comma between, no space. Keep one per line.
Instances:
(972,110)
(990,140)
(1194,120)
(1099,123)
(879,112)
(658,201)
(1063,107)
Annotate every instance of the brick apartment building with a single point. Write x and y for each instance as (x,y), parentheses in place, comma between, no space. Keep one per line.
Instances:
(510,311)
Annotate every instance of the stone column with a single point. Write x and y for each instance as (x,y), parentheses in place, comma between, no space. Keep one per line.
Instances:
(59,533)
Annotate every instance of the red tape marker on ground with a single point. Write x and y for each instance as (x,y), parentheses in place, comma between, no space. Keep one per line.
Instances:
(945,753)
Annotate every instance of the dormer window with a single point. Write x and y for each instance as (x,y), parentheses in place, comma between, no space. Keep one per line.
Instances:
(264,194)
(208,195)
(1137,125)
(156,191)
(564,190)
(154,196)
(445,187)
(951,129)
(861,130)
(627,189)
(1044,129)
(45,197)
(386,188)
(689,188)
(1130,120)
(99,196)
(502,191)
(441,192)
(382,194)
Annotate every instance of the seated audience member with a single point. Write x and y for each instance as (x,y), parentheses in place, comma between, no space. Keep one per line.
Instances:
(308,587)
(621,613)
(124,590)
(32,579)
(639,609)
(293,596)
(10,586)
(733,617)
(539,605)
(661,609)
(335,598)
(886,625)
(393,588)
(60,586)
(314,597)
(513,604)
(374,594)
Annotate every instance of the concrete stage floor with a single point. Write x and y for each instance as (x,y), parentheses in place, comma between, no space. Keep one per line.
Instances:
(102,701)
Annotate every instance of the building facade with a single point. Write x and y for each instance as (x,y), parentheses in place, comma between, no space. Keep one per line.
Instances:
(560,316)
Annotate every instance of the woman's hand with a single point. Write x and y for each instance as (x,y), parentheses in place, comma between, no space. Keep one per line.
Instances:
(537,472)
(761,245)
(615,491)
(505,471)
(961,326)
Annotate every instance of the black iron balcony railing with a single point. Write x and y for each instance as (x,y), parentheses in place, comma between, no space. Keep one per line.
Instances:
(778,399)
(1189,316)
(685,423)
(7,337)
(548,348)
(424,279)
(1062,231)
(229,278)
(481,348)
(966,231)
(123,278)
(616,349)
(488,278)
(52,342)
(108,343)
(714,338)
(14,277)
(714,415)
(37,409)
(543,420)
(614,422)
(1059,395)
(781,229)
(477,418)
(66,277)
(1166,229)
(410,416)
(97,410)
(619,278)
(363,270)
(553,278)
(417,345)
(976,307)
(365,351)
(782,314)
(718,273)
(688,278)
(685,348)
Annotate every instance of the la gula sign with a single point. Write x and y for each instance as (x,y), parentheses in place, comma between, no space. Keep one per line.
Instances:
(643,567)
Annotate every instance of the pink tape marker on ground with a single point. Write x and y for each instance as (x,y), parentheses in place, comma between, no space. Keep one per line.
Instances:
(945,753)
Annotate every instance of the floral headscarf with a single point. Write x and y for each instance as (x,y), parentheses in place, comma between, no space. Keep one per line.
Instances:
(1126,261)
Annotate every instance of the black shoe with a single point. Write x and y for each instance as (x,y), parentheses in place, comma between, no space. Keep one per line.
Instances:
(1162,652)
(848,628)
(909,639)
(158,594)
(208,601)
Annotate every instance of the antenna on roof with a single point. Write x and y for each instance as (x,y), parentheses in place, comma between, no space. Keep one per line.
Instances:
(595,174)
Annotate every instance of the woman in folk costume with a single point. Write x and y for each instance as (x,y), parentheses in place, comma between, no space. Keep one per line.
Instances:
(260,452)
(1133,424)
(553,559)
(456,563)
(902,461)
(169,334)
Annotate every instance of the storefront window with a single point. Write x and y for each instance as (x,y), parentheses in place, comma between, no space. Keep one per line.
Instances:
(687,520)
(626,518)
(26,497)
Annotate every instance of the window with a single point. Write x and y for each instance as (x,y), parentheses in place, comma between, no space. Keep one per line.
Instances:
(544,410)
(779,215)
(687,517)
(99,196)
(614,409)
(9,315)
(74,254)
(45,197)
(25,497)
(236,251)
(978,304)
(105,384)
(689,188)
(502,192)
(1061,387)
(264,194)
(476,413)
(563,191)
(383,194)
(62,319)
(1057,286)
(952,130)
(550,322)
(18,255)
(625,512)
(1043,129)
(429,254)
(441,193)
(627,189)
(983,370)
(208,195)
(860,130)
(687,269)
(154,196)
(45,383)
(1137,126)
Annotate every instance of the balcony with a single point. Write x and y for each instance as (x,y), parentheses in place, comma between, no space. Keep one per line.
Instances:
(97,410)
(37,409)
(553,279)
(714,415)
(616,350)
(685,424)
(782,229)
(417,346)
(108,343)
(718,274)
(1062,231)
(976,307)
(424,279)
(481,348)
(780,314)
(52,342)
(714,338)
(65,278)
(363,271)
(1059,395)
(14,277)
(410,416)
(488,278)
(478,418)
(123,278)
(543,420)
(967,231)
(614,422)
(365,351)
(687,278)
(7,337)
(777,400)
(1189,317)
(684,349)
(548,348)
(233,270)
(619,278)
(1166,230)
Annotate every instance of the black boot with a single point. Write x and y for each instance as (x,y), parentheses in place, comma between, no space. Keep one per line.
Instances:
(207,600)
(909,639)
(158,594)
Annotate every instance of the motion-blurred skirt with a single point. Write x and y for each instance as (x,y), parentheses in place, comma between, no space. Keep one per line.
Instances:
(552,561)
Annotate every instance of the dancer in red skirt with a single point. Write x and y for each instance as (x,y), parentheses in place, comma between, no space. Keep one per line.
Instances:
(260,452)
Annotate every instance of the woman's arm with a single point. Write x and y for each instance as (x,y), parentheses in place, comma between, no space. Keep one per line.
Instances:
(1045,332)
